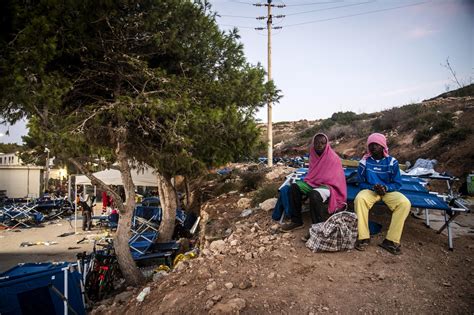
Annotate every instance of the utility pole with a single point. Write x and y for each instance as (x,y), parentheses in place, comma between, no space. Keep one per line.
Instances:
(46,170)
(269,17)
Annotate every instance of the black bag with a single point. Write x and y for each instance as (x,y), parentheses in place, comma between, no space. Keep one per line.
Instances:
(85,206)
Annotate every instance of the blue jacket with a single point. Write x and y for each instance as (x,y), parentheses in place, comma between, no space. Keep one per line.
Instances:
(385,172)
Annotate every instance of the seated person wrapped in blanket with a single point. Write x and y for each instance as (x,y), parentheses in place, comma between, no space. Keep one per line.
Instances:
(325,181)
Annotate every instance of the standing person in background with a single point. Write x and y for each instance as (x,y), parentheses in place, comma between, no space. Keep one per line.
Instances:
(379,178)
(325,181)
(105,202)
(84,204)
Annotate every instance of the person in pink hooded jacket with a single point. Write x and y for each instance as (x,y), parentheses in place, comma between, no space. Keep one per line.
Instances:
(325,182)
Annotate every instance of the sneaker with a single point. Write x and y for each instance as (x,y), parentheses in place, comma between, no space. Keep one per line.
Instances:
(306,237)
(291,226)
(362,244)
(391,247)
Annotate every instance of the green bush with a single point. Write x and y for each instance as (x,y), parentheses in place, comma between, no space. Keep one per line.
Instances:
(224,188)
(454,136)
(266,192)
(311,131)
(423,135)
(344,118)
(251,180)
(443,123)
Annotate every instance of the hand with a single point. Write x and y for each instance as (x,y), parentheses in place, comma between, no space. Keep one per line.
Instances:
(380,189)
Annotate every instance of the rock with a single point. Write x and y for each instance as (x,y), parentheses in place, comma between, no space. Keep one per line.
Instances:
(268,204)
(245,285)
(181,266)
(248,256)
(234,243)
(206,252)
(183,283)
(143,294)
(101,308)
(275,227)
(244,203)
(123,297)
(271,275)
(217,246)
(211,286)
(230,307)
(246,213)
(110,301)
(209,304)
(276,172)
(229,285)
(330,279)
(217,298)
(261,249)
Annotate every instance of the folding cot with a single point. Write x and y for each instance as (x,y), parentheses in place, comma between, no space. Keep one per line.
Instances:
(20,215)
(145,224)
(41,288)
(412,187)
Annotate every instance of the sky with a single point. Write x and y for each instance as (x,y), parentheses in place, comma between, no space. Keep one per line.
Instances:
(360,56)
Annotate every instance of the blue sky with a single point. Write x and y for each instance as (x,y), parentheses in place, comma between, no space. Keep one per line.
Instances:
(360,56)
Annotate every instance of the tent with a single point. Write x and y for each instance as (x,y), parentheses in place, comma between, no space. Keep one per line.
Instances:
(113,177)
(42,288)
(145,177)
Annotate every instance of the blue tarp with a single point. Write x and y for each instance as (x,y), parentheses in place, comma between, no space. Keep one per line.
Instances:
(413,188)
(39,289)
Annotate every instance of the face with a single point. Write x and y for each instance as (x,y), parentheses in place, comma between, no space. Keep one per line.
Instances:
(320,143)
(376,150)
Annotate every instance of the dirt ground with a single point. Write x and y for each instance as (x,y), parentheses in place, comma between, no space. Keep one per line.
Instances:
(11,253)
(247,266)
(257,270)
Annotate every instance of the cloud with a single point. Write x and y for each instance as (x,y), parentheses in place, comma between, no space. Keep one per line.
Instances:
(421,32)
(413,88)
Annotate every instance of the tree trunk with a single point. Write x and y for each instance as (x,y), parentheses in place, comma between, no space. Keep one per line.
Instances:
(168,200)
(131,273)
(192,194)
(189,198)
(128,267)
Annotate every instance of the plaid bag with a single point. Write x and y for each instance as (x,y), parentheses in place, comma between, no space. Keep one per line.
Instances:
(338,233)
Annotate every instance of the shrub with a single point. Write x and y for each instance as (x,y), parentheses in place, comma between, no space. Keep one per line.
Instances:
(454,136)
(311,131)
(443,123)
(224,188)
(266,192)
(423,135)
(338,131)
(344,118)
(251,180)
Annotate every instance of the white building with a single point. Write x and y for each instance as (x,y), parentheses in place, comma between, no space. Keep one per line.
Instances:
(18,181)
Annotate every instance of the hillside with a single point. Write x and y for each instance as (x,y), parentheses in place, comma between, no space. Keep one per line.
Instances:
(247,266)
(440,128)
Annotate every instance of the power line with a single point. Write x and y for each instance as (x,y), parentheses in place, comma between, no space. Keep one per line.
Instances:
(238,26)
(356,14)
(236,16)
(331,8)
(241,2)
(313,3)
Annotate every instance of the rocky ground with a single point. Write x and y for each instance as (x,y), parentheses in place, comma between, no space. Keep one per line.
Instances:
(247,266)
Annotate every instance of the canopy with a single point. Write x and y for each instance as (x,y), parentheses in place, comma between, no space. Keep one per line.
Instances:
(112,177)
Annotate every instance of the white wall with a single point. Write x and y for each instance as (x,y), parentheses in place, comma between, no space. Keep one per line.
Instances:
(21,181)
